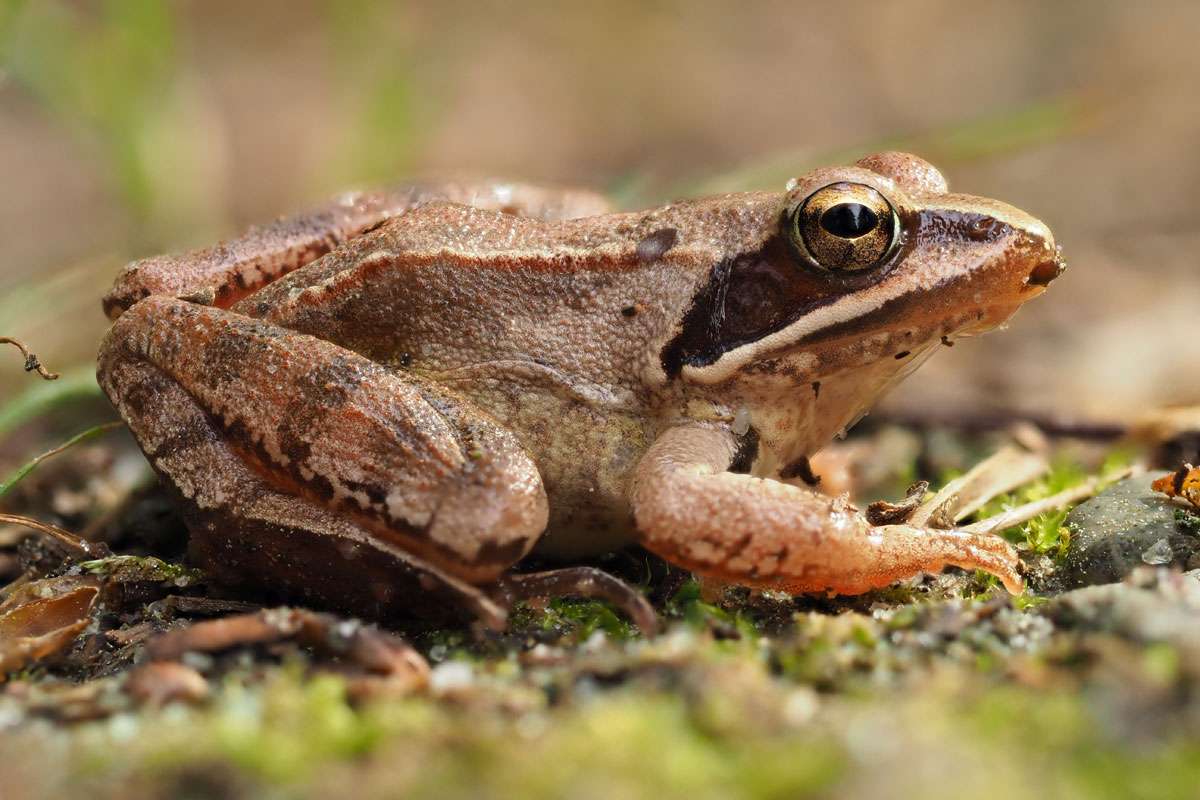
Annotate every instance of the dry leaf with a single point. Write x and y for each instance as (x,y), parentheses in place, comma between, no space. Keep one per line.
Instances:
(1183,483)
(43,618)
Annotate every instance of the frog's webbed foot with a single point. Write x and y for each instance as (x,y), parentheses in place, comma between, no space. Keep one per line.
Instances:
(588,582)
(694,512)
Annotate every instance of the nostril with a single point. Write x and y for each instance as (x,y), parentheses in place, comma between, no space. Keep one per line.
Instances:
(1047,270)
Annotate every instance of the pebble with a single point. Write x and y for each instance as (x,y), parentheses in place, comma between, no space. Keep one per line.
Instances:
(1123,527)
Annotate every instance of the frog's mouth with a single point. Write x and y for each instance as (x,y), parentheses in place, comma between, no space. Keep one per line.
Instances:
(1018,281)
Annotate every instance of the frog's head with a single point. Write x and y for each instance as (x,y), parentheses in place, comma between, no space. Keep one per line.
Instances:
(866,270)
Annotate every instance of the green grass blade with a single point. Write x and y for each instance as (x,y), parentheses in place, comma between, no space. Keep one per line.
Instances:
(31,465)
(78,384)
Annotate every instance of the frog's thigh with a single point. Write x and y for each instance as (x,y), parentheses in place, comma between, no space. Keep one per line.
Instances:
(404,461)
(769,534)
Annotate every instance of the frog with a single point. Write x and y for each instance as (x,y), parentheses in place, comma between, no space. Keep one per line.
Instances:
(390,404)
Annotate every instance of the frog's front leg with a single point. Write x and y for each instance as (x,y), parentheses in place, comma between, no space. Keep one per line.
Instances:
(303,465)
(693,511)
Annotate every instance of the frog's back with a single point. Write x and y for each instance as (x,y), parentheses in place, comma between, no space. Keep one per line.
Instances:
(451,287)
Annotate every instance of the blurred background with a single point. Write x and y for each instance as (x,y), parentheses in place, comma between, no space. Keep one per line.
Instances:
(130,127)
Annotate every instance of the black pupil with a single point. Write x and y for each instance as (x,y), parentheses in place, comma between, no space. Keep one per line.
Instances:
(849,220)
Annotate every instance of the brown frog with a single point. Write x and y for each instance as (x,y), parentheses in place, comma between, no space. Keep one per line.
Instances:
(385,404)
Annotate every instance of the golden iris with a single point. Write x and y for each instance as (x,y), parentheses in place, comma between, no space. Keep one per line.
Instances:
(845,227)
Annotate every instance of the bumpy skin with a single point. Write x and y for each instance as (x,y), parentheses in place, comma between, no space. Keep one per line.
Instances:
(450,380)
(227,272)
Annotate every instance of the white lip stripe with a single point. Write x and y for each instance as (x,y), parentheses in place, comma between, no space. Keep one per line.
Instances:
(849,307)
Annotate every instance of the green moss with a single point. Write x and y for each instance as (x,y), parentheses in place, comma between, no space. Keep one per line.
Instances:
(447,644)
(1187,521)
(1161,664)
(703,727)
(1025,602)
(582,618)
(1045,533)
(290,732)
(287,730)
(1056,736)
(570,619)
(127,569)
(687,604)
(903,618)
(628,746)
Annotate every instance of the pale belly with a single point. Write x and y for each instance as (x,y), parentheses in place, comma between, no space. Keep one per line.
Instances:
(585,454)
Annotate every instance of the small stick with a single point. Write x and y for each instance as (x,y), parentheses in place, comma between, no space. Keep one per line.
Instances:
(1074,428)
(884,513)
(32,363)
(1003,471)
(1015,516)
(63,537)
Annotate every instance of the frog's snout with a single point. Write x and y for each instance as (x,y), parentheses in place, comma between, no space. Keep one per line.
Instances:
(1030,255)
(1047,257)
(1019,258)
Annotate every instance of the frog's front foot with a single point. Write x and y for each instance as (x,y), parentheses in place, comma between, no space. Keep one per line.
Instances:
(696,513)
(588,582)
(896,552)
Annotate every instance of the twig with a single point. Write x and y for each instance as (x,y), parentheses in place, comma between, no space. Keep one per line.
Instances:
(1024,513)
(32,363)
(884,513)
(1003,471)
(983,422)
(63,537)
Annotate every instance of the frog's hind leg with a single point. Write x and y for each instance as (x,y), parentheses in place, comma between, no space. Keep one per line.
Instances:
(693,511)
(304,465)
(225,273)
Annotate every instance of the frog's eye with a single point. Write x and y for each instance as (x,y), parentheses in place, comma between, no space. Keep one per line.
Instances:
(844,227)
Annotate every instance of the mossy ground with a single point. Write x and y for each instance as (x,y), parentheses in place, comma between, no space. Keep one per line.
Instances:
(930,689)
(140,126)
(933,687)
(934,698)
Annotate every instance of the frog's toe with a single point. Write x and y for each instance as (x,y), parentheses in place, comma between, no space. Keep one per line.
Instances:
(912,550)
